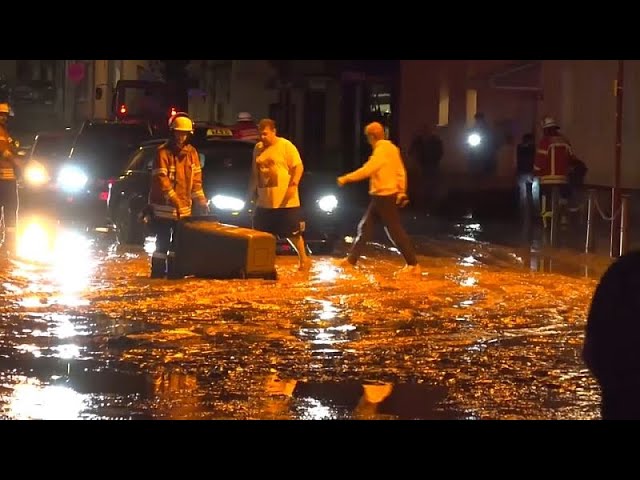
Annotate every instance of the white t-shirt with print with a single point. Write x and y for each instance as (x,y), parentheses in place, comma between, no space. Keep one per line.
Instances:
(273,168)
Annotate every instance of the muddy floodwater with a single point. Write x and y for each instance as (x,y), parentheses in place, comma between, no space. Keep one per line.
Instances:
(484,333)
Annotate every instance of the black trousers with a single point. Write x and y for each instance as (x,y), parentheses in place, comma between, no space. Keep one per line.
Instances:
(162,257)
(8,208)
(383,209)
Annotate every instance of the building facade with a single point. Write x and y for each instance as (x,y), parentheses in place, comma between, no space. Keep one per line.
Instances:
(514,95)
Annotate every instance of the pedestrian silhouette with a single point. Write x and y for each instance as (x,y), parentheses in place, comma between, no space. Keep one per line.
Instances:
(611,350)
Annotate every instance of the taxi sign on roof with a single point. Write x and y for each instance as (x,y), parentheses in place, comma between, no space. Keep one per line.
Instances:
(219,132)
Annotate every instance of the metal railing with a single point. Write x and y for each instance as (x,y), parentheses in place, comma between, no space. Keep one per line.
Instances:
(594,206)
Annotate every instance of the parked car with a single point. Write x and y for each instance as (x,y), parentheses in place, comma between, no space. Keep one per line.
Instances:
(226,165)
(47,152)
(98,154)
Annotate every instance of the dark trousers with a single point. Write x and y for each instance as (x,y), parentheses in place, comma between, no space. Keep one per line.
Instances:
(383,209)
(8,210)
(162,257)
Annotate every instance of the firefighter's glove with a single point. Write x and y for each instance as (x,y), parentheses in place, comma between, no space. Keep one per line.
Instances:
(146,215)
(402,200)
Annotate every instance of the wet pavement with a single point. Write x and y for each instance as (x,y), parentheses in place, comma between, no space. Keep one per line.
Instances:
(487,332)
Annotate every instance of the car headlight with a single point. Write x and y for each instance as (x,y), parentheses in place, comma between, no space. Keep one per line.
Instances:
(36,174)
(72,179)
(328,203)
(474,139)
(223,202)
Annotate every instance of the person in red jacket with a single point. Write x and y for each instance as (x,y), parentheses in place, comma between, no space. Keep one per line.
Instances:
(552,161)
(245,128)
(553,155)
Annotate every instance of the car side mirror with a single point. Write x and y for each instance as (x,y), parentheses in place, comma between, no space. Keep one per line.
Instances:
(99,93)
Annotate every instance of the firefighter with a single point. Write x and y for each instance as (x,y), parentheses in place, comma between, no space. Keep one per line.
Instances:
(9,164)
(175,185)
(551,163)
(245,128)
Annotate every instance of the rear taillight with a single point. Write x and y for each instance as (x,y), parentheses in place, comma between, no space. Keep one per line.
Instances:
(123,109)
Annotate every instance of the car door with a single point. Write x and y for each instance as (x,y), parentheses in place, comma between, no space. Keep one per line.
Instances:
(133,185)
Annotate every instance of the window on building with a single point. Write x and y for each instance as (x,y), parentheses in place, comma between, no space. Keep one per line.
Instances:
(472,105)
(443,106)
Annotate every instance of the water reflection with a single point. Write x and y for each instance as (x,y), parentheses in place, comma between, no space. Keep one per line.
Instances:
(32,400)
(57,264)
(306,400)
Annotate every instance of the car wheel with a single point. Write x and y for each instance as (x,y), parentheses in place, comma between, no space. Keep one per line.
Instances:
(129,230)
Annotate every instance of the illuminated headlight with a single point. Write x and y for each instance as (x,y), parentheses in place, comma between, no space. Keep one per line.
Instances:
(474,140)
(328,203)
(35,174)
(223,202)
(72,179)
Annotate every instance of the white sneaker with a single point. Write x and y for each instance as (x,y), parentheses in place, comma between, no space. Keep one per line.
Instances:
(413,270)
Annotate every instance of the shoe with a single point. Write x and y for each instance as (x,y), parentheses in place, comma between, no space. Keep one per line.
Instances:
(345,263)
(305,266)
(413,270)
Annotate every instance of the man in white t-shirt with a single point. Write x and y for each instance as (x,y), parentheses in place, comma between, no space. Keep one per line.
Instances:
(276,173)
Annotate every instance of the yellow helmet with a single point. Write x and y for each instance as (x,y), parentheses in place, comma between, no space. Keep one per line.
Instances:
(182,124)
(4,108)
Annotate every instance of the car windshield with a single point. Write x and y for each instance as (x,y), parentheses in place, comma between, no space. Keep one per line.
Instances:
(226,156)
(107,146)
(141,100)
(51,147)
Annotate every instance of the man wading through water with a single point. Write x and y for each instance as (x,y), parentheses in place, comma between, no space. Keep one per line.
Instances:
(275,176)
(387,189)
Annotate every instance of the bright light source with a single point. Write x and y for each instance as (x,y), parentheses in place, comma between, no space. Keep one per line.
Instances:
(223,202)
(474,140)
(35,174)
(72,178)
(328,203)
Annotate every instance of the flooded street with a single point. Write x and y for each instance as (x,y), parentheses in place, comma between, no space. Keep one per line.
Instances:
(485,333)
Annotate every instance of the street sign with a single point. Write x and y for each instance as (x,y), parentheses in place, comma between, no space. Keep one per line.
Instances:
(76,72)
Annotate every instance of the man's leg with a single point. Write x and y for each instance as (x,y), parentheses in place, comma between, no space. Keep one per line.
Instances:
(365,232)
(162,231)
(10,214)
(288,222)
(388,211)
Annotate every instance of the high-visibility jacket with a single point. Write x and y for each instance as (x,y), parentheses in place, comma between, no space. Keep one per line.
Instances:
(552,160)
(176,181)
(7,161)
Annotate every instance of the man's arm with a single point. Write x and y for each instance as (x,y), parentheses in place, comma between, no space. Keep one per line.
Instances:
(160,173)
(372,165)
(296,169)
(197,192)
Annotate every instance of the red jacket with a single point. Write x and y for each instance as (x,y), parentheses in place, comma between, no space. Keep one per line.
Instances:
(552,159)
(246,131)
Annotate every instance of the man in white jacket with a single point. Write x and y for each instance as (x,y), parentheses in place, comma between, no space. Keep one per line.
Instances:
(387,189)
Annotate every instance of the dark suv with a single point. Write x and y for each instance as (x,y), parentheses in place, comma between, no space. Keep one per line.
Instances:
(98,155)
(226,165)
